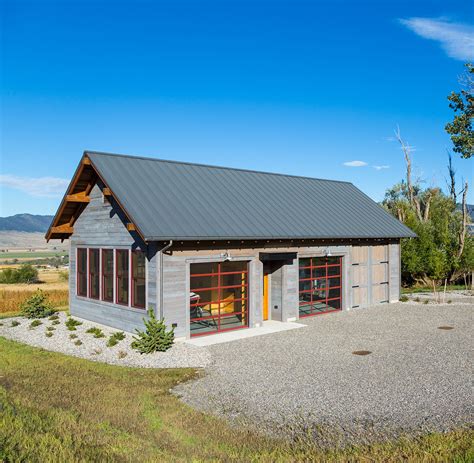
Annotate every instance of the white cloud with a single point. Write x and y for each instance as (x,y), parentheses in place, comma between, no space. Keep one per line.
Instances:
(380,167)
(46,187)
(355,163)
(456,39)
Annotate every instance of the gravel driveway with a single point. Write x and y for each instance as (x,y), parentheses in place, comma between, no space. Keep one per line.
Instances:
(417,378)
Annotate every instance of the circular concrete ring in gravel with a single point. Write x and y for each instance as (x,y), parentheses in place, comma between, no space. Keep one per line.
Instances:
(445,327)
(362,352)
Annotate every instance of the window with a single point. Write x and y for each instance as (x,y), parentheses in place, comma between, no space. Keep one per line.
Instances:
(320,285)
(122,276)
(108,275)
(138,279)
(94,274)
(219,297)
(82,272)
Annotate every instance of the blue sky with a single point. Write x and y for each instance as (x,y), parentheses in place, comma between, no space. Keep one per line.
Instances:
(300,87)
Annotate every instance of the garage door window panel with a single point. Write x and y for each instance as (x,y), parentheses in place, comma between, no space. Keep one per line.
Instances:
(321,293)
(221,304)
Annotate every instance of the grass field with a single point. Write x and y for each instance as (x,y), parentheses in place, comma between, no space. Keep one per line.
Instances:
(427,289)
(13,295)
(59,408)
(31,254)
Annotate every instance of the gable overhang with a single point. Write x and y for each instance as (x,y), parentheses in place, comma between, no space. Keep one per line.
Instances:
(77,197)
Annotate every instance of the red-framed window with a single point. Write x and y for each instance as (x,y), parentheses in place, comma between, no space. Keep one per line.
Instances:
(320,285)
(122,276)
(81,277)
(94,274)
(108,275)
(219,297)
(138,279)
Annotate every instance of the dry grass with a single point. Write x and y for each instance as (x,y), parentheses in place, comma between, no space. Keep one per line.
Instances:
(11,300)
(13,295)
(59,408)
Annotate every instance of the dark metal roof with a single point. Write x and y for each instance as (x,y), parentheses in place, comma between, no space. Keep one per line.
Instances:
(178,200)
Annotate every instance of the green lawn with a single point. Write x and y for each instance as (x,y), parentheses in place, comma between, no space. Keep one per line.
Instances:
(429,289)
(32,254)
(59,408)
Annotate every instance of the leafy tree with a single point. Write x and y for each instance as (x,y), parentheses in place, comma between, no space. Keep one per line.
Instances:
(443,249)
(25,274)
(462,103)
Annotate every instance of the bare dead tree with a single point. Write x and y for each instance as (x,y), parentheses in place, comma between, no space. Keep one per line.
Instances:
(452,178)
(463,231)
(412,198)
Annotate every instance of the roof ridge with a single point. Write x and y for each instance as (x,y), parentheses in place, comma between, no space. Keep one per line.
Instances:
(146,158)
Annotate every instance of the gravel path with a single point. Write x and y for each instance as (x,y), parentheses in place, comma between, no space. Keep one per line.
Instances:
(417,378)
(180,355)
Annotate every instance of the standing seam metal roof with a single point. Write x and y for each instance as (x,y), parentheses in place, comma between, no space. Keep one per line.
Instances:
(178,200)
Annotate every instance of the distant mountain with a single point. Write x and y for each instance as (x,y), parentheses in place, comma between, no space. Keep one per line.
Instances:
(470,210)
(26,223)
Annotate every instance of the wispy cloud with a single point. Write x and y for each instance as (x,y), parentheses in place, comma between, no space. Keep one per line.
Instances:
(355,163)
(381,167)
(456,39)
(45,187)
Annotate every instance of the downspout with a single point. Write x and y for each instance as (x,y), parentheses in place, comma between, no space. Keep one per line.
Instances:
(161,276)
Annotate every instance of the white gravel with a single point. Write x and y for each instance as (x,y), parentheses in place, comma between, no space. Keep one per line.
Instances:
(307,382)
(180,355)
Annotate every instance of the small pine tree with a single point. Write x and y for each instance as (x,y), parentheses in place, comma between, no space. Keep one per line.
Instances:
(37,306)
(154,338)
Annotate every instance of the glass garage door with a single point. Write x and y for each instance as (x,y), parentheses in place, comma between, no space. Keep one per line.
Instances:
(219,297)
(320,285)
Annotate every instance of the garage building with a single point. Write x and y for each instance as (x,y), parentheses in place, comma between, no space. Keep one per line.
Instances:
(212,249)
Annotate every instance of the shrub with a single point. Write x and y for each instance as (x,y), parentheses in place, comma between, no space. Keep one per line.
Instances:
(97,332)
(50,328)
(63,275)
(449,301)
(72,336)
(55,322)
(426,301)
(115,338)
(35,323)
(404,298)
(48,334)
(36,306)
(54,317)
(25,274)
(1,324)
(154,338)
(78,342)
(417,299)
(121,354)
(71,324)
(15,323)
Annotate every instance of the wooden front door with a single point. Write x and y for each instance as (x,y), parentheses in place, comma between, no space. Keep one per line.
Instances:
(265,296)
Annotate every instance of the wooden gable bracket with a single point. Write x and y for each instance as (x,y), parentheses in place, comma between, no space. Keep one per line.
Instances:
(106,192)
(65,228)
(131,227)
(81,197)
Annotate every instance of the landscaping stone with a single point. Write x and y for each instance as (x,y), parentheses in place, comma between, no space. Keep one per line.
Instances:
(180,355)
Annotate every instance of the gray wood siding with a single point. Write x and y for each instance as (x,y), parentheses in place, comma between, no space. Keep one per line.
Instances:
(101,225)
(394,272)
